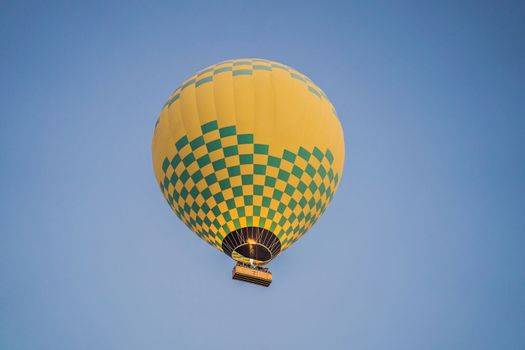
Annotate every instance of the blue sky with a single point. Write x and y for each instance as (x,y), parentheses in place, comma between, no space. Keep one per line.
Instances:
(422,247)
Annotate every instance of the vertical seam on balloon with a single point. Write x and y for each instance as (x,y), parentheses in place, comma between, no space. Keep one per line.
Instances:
(302,132)
(185,133)
(253,128)
(218,246)
(279,228)
(218,127)
(172,142)
(303,125)
(195,100)
(234,106)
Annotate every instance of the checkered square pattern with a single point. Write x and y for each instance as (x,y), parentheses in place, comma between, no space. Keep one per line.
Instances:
(247,183)
(244,67)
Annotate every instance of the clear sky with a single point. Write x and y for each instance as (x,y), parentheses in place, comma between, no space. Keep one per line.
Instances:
(422,247)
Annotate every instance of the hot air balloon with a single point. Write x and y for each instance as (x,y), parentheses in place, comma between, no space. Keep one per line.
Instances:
(248,153)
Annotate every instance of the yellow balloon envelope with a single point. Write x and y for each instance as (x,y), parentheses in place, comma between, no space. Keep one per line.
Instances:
(248,153)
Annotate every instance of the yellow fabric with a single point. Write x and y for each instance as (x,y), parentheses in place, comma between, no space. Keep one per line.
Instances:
(281,108)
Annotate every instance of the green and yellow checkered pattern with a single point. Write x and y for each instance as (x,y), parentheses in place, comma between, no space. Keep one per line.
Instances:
(244,67)
(246,184)
(248,143)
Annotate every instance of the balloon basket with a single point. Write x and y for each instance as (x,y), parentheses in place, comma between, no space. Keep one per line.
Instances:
(252,274)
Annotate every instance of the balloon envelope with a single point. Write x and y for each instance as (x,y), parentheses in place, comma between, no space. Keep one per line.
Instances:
(248,153)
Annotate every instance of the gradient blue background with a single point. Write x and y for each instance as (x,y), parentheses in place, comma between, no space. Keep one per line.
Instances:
(422,247)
